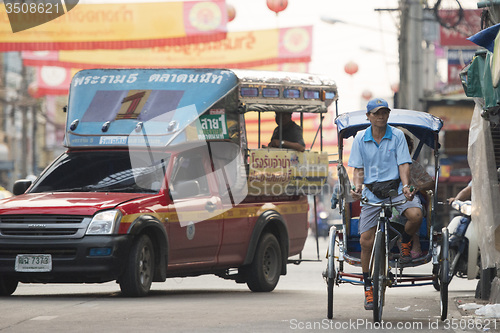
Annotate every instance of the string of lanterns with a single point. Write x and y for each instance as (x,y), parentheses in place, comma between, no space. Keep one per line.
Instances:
(277,5)
(351,68)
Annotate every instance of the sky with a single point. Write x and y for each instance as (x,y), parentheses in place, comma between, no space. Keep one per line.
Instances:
(369,38)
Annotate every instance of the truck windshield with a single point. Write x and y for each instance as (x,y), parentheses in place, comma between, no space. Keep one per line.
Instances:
(104,171)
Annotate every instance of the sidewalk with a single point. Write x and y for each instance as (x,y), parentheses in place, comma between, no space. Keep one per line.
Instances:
(476,313)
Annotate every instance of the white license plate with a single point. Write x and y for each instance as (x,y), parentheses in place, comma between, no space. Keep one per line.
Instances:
(33,263)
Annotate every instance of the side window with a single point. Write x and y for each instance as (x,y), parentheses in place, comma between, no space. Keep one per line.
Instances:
(191,167)
(230,171)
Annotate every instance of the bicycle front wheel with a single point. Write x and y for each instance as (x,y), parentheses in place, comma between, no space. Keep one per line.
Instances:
(379,277)
(330,271)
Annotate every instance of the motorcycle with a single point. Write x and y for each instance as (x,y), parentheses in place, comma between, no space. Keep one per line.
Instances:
(464,255)
(323,224)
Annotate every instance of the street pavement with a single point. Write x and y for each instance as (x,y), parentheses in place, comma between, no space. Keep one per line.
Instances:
(211,304)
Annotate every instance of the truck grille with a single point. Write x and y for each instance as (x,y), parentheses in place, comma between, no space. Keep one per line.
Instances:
(40,226)
(62,253)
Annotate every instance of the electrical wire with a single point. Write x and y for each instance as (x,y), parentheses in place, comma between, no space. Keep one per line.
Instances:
(444,21)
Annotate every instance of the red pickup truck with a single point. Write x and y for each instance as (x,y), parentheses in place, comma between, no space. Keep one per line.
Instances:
(157,182)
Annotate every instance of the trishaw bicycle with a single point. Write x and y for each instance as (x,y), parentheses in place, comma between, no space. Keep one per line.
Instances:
(379,261)
(386,270)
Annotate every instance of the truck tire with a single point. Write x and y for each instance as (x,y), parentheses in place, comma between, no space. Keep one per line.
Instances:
(138,276)
(7,286)
(263,273)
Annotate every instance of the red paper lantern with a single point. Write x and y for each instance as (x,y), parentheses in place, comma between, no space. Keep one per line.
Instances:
(231,12)
(366,94)
(351,68)
(277,5)
(33,89)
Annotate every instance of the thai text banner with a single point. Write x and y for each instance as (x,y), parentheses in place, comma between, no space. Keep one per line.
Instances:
(238,50)
(51,80)
(121,25)
(106,106)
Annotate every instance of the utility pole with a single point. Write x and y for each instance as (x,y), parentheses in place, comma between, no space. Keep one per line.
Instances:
(411,87)
(24,125)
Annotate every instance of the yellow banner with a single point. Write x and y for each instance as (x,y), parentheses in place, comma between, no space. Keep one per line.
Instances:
(286,172)
(118,26)
(238,50)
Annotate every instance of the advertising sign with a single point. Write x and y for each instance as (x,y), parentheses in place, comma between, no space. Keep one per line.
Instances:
(140,106)
(241,49)
(119,26)
(278,172)
(457,60)
(470,24)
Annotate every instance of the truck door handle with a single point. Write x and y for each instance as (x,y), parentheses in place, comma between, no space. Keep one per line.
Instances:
(210,206)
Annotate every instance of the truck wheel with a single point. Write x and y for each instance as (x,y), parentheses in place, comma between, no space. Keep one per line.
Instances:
(264,271)
(7,286)
(138,276)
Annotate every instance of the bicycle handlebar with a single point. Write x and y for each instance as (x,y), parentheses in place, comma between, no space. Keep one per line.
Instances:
(383,204)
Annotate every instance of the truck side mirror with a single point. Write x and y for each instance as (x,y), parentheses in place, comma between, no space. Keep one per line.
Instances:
(21,186)
(190,188)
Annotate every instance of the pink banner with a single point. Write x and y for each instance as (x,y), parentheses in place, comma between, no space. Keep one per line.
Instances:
(51,81)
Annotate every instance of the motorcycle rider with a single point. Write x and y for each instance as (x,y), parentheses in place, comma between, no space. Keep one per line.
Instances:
(464,194)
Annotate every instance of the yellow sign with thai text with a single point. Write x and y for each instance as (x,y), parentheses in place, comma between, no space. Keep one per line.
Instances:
(121,25)
(286,172)
(241,49)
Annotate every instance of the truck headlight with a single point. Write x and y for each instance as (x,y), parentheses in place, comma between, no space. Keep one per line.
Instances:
(104,223)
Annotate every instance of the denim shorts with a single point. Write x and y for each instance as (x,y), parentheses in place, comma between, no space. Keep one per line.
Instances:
(369,215)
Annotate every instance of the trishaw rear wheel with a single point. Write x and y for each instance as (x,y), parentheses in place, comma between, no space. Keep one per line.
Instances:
(435,280)
(452,254)
(379,277)
(444,274)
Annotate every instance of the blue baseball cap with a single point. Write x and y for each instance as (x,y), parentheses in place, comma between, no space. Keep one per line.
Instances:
(376,104)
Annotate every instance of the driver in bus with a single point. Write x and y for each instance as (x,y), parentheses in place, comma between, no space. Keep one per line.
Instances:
(292,137)
(381,161)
